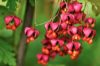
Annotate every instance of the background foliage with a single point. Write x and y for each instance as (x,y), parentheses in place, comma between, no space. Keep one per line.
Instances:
(44,10)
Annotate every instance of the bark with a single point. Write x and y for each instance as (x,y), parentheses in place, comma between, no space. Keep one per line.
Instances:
(22,48)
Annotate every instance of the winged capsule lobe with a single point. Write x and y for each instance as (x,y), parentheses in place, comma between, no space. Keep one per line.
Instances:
(90,20)
(45,58)
(67,17)
(79,16)
(8,19)
(61,42)
(71,18)
(64,17)
(69,45)
(54,26)
(72,30)
(51,25)
(80,29)
(64,25)
(87,31)
(30,32)
(17,21)
(77,6)
(77,45)
(26,29)
(70,8)
(39,56)
(36,33)
(53,42)
(47,25)
(63,4)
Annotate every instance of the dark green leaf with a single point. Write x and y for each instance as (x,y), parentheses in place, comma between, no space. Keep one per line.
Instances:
(4,0)
(32,2)
(7,54)
(3,12)
(6,33)
(12,5)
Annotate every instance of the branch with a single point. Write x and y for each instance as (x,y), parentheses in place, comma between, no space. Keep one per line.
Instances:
(22,48)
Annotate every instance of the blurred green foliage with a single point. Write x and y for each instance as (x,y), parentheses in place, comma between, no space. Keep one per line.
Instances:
(44,10)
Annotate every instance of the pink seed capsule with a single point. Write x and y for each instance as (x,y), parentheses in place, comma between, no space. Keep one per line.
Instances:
(70,8)
(12,22)
(64,17)
(73,30)
(31,34)
(17,21)
(8,19)
(77,6)
(90,20)
(63,4)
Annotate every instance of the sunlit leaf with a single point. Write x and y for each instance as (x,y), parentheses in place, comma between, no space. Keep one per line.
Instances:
(95,6)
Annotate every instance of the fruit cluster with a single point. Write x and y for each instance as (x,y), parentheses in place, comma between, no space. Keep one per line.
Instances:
(63,37)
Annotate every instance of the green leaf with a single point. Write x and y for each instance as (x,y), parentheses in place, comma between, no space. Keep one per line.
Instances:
(32,2)
(7,54)
(3,12)
(4,0)
(95,6)
(6,33)
(87,8)
(12,5)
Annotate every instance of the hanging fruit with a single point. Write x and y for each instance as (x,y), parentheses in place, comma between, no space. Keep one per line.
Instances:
(31,34)
(63,37)
(12,22)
